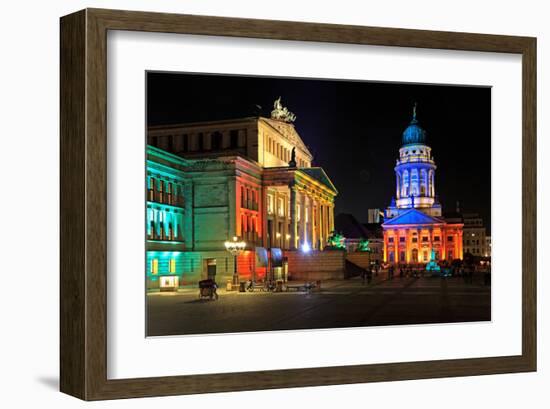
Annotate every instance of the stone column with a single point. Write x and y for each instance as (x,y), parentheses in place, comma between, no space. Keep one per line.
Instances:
(302,218)
(293,217)
(275,239)
(310,233)
(320,234)
(408,236)
(231,207)
(188,222)
(262,211)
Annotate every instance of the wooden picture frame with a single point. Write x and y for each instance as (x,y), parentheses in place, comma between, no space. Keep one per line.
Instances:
(84,205)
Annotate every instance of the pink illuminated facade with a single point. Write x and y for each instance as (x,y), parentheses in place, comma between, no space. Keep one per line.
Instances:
(414,226)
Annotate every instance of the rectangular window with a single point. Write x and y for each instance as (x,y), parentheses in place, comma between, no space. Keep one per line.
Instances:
(185,142)
(280,207)
(436,238)
(415,239)
(424,238)
(155,266)
(168,193)
(425,255)
(401,239)
(270,204)
(172,265)
(151,190)
(390,239)
(233,139)
(450,238)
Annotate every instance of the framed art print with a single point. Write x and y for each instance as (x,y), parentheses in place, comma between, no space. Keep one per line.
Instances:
(252,204)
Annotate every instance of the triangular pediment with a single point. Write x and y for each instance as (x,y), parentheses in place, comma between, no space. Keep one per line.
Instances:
(289,133)
(413,216)
(320,175)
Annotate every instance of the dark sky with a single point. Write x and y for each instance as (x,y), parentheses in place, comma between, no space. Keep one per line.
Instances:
(353,129)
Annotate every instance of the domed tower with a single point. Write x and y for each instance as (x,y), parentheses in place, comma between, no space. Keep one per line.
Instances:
(415,174)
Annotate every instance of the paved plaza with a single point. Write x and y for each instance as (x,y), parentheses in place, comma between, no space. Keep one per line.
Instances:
(344,303)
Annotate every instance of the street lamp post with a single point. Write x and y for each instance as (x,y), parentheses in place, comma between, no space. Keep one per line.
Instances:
(235,247)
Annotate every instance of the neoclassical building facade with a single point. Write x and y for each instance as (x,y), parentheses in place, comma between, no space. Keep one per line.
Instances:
(251,178)
(413,225)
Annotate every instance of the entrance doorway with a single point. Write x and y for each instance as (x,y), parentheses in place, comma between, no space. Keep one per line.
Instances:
(415,255)
(211,268)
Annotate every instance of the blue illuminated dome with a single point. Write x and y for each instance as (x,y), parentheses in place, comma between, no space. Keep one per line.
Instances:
(414,134)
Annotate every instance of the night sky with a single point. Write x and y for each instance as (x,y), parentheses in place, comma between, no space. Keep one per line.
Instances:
(353,129)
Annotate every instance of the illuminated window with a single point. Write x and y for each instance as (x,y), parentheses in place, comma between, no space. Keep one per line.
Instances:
(270,204)
(161,190)
(280,206)
(169,193)
(152,229)
(172,265)
(151,190)
(155,266)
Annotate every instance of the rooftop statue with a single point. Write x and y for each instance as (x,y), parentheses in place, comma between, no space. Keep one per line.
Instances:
(292,162)
(281,113)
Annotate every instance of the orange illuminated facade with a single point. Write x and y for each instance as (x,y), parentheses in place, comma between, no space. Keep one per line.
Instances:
(414,225)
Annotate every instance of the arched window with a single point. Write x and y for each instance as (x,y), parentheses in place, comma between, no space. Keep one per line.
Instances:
(414,182)
(423,182)
(432,185)
(405,185)
(398,177)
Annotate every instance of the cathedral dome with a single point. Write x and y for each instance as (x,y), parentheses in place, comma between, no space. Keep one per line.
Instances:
(414,134)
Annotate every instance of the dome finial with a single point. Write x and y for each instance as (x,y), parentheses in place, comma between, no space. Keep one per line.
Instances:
(414,111)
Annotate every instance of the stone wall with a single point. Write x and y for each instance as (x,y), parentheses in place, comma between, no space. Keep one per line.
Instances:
(316,265)
(360,259)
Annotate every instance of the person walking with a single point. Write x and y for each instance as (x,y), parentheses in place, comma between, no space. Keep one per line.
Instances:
(369,276)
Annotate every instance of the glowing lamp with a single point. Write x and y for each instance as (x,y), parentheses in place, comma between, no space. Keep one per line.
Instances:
(235,247)
(306,248)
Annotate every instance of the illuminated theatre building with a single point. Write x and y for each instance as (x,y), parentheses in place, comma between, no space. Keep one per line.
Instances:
(414,225)
(249,178)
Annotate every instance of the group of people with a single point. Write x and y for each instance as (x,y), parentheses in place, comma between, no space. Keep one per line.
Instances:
(466,272)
